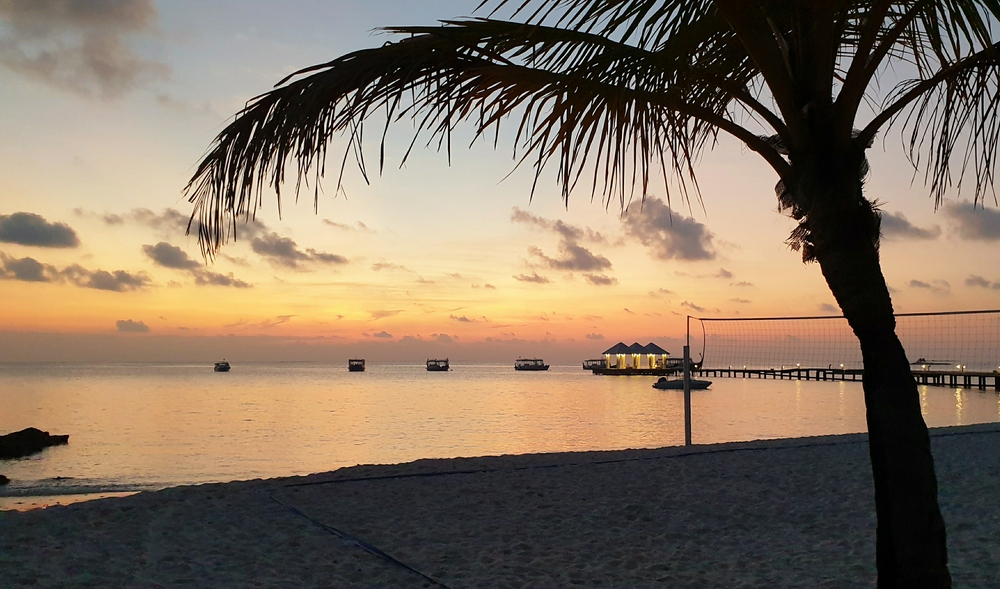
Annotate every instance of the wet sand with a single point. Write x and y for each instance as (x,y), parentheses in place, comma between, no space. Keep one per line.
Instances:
(784,513)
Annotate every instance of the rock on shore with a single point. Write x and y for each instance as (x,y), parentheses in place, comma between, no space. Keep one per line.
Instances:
(27,442)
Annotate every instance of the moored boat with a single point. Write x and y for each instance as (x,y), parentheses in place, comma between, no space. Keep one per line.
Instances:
(222,366)
(593,363)
(530,364)
(675,384)
(356,364)
(435,365)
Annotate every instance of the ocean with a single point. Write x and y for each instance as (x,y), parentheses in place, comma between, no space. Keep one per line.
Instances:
(148,426)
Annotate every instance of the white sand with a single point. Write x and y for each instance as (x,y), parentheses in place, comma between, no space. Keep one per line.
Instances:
(789,513)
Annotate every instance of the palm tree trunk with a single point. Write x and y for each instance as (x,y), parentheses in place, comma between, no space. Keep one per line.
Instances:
(910,540)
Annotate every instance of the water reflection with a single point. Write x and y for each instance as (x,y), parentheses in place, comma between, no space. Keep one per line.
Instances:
(184,424)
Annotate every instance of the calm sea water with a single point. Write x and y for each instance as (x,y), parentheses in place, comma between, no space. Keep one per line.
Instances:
(145,426)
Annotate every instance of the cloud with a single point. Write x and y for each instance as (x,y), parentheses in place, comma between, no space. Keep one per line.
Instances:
(723,273)
(743,284)
(694,307)
(741,301)
(462,319)
(828,308)
(117,281)
(974,280)
(600,279)
(935,286)
(127,325)
(896,226)
(669,236)
(594,336)
(379,266)
(207,278)
(32,229)
(535,278)
(31,270)
(169,256)
(572,257)
(283,251)
(383,335)
(443,338)
(359,226)
(79,46)
(382,314)
(973,223)
(568,232)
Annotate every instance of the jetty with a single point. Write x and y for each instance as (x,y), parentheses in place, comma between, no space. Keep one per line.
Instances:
(943,378)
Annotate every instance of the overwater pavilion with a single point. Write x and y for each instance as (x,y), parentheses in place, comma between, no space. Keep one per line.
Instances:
(624,356)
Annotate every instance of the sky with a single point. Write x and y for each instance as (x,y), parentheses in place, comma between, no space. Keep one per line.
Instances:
(108,106)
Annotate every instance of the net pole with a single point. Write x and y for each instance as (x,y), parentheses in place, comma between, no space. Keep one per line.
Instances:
(687,385)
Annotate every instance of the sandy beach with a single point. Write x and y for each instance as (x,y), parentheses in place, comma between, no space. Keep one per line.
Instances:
(784,513)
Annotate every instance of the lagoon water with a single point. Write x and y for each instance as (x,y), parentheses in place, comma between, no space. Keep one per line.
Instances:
(147,426)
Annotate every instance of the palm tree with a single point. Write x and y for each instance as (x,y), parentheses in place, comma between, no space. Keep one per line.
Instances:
(618,94)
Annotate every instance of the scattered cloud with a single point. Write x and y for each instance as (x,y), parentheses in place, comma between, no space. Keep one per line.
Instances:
(462,319)
(79,46)
(284,252)
(383,335)
(594,336)
(443,338)
(31,270)
(743,284)
(723,273)
(935,286)
(661,292)
(896,226)
(572,257)
(571,233)
(34,230)
(600,279)
(694,307)
(828,308)
(130,326)
(534,277)
(668,236)
(740,301)
(382,314)
(169,256)
(357,227)
(117,281)
(974,280)
(379,266)
(974,223)
(207,278)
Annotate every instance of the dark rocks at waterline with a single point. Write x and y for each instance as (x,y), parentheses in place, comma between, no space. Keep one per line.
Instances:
(3,480)
(27,442)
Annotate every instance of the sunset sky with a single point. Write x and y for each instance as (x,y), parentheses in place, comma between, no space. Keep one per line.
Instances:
(108,106)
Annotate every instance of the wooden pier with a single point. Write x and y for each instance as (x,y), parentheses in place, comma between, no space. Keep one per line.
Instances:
(941,378)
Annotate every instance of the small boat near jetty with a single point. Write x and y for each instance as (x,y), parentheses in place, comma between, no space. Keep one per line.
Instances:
(593,363)
(530,364)
(222,366)
(435,365)
(356,364)
(677,384)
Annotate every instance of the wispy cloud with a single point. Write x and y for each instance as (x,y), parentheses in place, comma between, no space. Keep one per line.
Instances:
(357,227)
(668,236)
(940,287)
(600,279)
(34,230)
(31,270)
(383,313)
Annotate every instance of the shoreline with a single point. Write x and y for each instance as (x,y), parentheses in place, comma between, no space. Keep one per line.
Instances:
(779,513)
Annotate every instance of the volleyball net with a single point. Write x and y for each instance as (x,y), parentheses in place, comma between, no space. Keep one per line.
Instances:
(963,340)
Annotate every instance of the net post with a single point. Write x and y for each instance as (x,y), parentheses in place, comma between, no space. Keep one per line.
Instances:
(687,384)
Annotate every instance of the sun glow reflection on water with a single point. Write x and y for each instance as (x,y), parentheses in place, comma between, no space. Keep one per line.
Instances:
(152,425)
